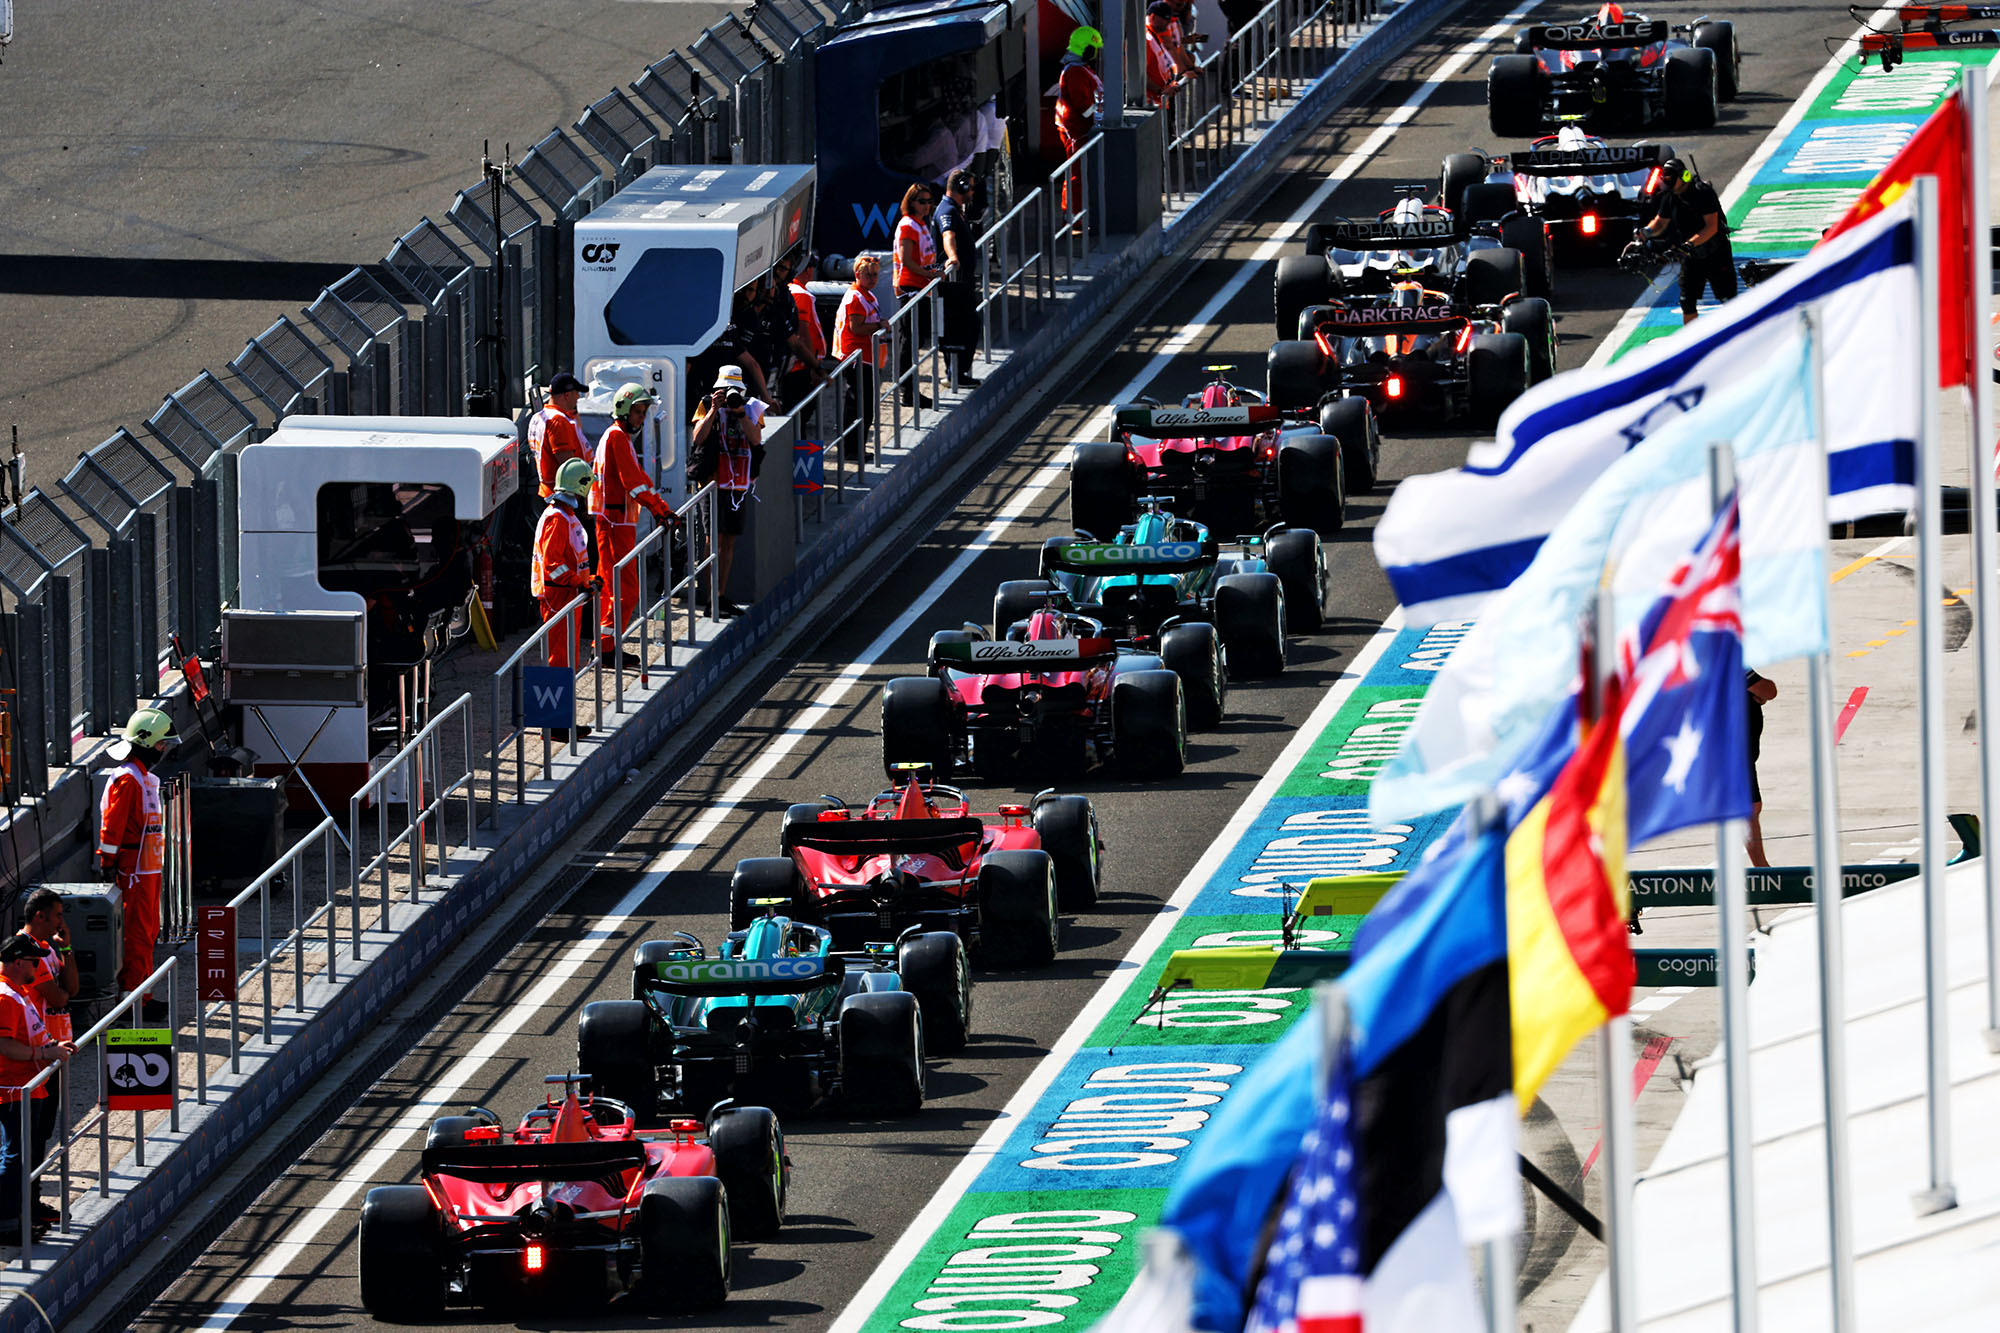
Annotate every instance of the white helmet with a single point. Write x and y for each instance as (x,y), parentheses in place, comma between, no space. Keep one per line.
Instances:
(1571,137)
(1409,210)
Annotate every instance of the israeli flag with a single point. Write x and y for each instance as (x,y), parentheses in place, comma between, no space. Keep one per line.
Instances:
(1450,540)
(1629,531)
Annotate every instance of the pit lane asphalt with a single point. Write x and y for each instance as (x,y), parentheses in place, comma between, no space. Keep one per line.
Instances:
(857,1184)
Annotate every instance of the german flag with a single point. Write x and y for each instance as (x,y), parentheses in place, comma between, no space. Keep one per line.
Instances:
(1569,957)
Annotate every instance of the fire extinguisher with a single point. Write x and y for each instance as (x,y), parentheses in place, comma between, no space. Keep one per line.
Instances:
(482,571)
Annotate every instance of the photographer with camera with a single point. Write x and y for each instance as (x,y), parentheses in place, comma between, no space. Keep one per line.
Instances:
(727,448)
(1689,217)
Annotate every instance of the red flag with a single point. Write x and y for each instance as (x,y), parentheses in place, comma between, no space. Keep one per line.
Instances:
(1941,147)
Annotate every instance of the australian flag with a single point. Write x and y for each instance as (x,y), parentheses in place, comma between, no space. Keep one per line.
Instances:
(1312,1277)
(1686,742)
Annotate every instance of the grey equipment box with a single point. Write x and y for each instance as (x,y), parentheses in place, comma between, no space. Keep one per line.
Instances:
(95,915)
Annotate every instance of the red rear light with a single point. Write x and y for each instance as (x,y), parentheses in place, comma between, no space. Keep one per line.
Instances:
(1589,225)
(534,1259)
(1392,387)
(1653,180)
(684,1126)
(1016,811)
(1464,339)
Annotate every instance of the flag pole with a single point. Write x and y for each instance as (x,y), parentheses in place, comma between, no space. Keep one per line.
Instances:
(1940,1194)
(1614,1051)
(1981,448)
(1732,903)
(1832,932)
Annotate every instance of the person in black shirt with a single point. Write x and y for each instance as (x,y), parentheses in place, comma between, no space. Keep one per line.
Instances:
(960,292)
(1690,215)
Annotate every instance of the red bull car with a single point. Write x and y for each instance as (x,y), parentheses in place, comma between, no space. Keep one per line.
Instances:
(1414,355)
(1614,66)
(1052,692)
(573,1204)
(918,856)
(1225,459)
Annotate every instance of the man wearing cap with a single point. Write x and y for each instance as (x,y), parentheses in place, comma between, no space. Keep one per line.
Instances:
(958,292)
(553,434)
(615,496)
(558,571)
(132,844)
(26,1049)
(1691,215)
(727,448)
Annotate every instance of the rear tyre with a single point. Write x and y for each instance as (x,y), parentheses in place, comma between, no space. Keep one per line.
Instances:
(760,878)
(749,1153)
(1514,87)
(448,1131)
(1497,370)
(1067,826)
(934,969)
(614,1047)
(1312,490)
(1352,422)
(1250,615)
(1691,88)
(1299,561)
(402,1273)
(1017,599)
(683,1227)
(1489,201)
(916,724)
(1296,375)
(1532,319)
(882,1052)
(1461,172)
(1301,281)
(1017,909)
(1101,494)
(1149,723)
(1530,237)
(1719,37)
(1194,653)
(1491,276)
(801,817)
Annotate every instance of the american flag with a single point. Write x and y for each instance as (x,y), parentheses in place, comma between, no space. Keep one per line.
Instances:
(1312,1275)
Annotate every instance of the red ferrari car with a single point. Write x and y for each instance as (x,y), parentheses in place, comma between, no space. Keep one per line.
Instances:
(575,1203)
(918,857)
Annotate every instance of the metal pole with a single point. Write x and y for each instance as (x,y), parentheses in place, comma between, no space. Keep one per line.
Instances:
(1940,1194)
(1500,1282)
(1732,917)
(1980,445)
(1614,1058)
(1831,921)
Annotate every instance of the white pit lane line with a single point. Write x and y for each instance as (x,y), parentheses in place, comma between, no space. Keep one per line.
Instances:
(445,1094)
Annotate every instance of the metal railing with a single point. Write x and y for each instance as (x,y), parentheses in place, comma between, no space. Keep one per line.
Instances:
(415,770)
(1016,279)
(577,615)
(640,561)
(912,336)
(64,1138)
(1078,187)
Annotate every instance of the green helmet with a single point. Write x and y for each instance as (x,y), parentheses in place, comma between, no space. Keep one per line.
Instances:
(574,478)
(630,397)
(149,729)
(1086,41)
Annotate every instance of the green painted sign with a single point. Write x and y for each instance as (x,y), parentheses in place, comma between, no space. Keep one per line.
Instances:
(1777,886)
(1346,757)
(1683,967)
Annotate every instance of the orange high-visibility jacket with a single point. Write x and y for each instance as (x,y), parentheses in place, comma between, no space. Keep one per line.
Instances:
(560,552)
(132,834)
(555,438)
(621,482)
(809,318)
(857,304)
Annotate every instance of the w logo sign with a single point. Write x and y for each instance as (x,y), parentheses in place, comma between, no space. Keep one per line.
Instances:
(548,697)
(875,221)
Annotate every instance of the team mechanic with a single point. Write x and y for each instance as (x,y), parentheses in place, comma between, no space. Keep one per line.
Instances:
(1690,216)
(132,845)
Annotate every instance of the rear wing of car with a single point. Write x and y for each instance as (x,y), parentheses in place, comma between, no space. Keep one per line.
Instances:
(1191,423)
(744,976)
(1365,321)
(1130,558)
(1426,233)
(1011,656)
(505,1163)
(863,837)
(1603,160)
(1594,36)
